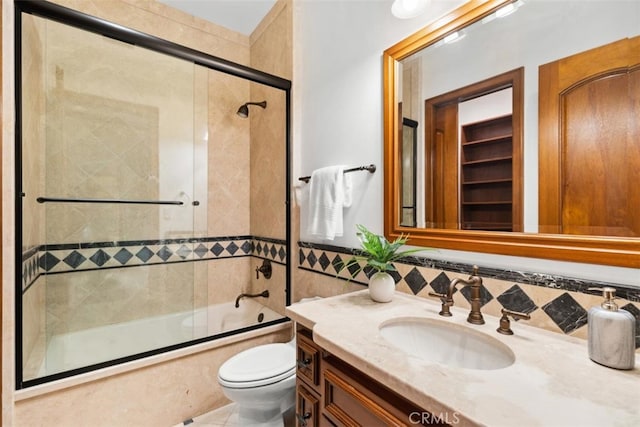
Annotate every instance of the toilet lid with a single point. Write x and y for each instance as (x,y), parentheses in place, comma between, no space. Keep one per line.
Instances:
(258,366)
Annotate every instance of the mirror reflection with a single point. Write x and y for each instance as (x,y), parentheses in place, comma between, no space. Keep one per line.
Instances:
(558,157)
(409,142)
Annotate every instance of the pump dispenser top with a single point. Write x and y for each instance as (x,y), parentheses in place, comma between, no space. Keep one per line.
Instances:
(611,333)
(609,295)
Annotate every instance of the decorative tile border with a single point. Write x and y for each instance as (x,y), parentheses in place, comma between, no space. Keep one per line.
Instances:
(72,257)
(272,249)
(513,290)
(30,267)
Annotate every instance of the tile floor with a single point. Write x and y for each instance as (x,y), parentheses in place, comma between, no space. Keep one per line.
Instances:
(227,416)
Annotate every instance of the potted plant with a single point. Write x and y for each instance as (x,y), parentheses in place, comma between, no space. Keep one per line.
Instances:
(379,254)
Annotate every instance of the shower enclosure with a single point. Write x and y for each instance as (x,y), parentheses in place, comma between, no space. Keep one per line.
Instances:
(145,204)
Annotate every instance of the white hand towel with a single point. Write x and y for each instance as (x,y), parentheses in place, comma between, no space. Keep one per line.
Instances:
(330,192)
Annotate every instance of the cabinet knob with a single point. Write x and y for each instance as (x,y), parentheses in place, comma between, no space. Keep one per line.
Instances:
(304,363)
(302,419)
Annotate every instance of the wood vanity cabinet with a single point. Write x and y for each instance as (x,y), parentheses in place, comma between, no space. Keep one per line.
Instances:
(331,392)
(308,356)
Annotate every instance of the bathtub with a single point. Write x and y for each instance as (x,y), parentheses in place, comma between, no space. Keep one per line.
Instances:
(104,343)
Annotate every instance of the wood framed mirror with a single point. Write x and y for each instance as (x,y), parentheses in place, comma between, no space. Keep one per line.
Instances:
(621,249)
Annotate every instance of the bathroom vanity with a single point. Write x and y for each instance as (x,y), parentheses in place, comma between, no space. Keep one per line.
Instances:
(332,392)
(351,373)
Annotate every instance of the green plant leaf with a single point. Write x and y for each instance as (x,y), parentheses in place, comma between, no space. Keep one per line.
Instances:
(379,252)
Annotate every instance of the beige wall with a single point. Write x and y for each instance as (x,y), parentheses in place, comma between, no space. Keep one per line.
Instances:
(163,394)
(229,182)
(229,153)
(170,24)
(33,137)
(34,132)
(271,51)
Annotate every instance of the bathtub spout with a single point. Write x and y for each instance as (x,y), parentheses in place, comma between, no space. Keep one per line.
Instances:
(263,294)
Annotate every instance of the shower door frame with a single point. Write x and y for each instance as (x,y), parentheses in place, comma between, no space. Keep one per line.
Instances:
(103,27)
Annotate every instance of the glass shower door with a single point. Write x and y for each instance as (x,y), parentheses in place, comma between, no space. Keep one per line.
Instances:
(112,134)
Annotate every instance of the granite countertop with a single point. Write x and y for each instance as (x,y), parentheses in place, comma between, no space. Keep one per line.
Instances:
(551,383)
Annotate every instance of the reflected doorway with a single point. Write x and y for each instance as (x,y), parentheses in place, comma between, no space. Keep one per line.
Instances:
(473,156)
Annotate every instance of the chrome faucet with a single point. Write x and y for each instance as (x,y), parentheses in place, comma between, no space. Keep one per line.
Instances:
(263,294)
(475,282)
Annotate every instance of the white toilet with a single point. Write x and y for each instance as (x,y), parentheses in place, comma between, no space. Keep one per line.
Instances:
(261,381)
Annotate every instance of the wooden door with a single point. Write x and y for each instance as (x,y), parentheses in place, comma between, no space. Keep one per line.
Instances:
(441,164)
(589,176)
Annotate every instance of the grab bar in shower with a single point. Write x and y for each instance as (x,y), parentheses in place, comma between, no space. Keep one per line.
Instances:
(129,202)
(370,169)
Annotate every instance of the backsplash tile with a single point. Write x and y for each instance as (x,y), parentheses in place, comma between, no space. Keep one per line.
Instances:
(515,299)
(441,283)
(636,312)
(566,312)
(555,303)
(415,280)
(485,295)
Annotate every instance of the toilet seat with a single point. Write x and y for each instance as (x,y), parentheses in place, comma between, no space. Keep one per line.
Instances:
(258,366)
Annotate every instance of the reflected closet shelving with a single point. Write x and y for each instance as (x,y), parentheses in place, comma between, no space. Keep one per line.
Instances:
(486,169)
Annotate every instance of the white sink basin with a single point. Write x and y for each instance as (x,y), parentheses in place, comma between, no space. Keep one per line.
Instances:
(447,343)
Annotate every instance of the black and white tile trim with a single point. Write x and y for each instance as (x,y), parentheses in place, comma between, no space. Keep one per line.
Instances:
(528,278)
(63,258)
(30,268)
(567,313)
(272,249)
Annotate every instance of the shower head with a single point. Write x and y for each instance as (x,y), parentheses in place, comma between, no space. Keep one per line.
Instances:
(243,111)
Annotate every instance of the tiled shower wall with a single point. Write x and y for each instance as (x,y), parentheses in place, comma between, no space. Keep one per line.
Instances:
(82,277)
(34,137)
(555,303)
(271,47)
(79,286)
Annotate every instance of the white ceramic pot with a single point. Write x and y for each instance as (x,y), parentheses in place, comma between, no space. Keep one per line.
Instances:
(381,287)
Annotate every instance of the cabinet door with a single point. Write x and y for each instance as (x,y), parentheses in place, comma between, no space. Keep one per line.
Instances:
(349,406)
(352,399)
(307,407)
(308,360)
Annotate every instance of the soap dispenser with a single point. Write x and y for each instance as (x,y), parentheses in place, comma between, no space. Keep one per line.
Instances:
(612,333)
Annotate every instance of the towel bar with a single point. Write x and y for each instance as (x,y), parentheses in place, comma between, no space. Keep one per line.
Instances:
(130,202)
(370,169)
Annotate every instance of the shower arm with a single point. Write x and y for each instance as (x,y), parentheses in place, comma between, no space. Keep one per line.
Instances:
(263,294)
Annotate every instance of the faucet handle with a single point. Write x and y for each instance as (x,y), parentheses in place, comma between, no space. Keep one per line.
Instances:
(437,295)
(265,269)
(505,323)
(446,303)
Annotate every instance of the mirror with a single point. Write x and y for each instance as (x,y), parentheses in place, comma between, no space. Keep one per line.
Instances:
(444,68)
